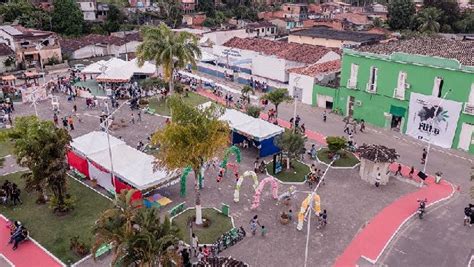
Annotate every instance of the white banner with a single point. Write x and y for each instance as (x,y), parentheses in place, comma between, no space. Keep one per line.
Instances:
(425,125)
(101,175)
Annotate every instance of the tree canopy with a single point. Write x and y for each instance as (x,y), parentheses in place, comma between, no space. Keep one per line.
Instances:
(400,14)
(428,20)
(292,143)
(41,147)
(276,97)
(114,19)
(26,13)
(67,18)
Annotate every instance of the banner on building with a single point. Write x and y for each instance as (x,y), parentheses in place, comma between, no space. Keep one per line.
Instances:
(424,124)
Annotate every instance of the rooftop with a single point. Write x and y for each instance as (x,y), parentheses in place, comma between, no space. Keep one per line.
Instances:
(328,33)
(19,32)
(319,68)
(5,50)
(304,53)
(355,18)
(91,39)
(462,51)
(260,24)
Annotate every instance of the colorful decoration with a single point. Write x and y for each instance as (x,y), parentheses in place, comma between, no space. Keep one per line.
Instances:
(239,183)
(234,150)
(304,208)
(288,194)
(258,192)
(184,175)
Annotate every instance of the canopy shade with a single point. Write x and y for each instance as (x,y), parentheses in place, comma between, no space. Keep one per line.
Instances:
(94,142)
(8,78)
(397,111)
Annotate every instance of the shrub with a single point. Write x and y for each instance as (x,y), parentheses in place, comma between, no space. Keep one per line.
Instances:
(335,143)
(253,111)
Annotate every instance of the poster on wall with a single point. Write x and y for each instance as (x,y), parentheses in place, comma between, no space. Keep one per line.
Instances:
(424,124)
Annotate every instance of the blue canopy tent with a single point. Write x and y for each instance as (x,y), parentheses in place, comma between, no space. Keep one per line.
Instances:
(256,131)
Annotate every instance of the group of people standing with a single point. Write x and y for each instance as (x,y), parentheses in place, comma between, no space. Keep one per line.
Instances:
(10,193)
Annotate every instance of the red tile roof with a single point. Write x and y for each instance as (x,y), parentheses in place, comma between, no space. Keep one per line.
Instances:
(304,53)
(353,18)
(319,68)
(76,43)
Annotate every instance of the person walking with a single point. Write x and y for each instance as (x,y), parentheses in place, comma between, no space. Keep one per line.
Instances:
(71,123)
(362,126)
(256,165)
(467,215)
(132,119)
(194,244)
(74,108)
(65,123)
(16,195)
(399,170)
(423,156)
(325,116)
(139,114)
(412,171)
(263,230)
(55,119)
(378,178)
(253,224)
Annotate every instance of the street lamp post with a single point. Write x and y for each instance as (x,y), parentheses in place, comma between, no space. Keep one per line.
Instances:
(295,99)
(431,124)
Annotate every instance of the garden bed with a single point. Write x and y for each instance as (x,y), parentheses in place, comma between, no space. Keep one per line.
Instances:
(347,159)
(218,224)
(160,107)
(296,174)
(55,232)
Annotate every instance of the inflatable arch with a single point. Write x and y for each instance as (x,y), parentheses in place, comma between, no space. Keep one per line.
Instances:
(184,176)
(239,183)
(258,192)
(231,150)
(304,208)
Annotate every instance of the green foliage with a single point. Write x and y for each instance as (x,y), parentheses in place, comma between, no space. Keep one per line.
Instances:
(171,50)
(450,12)
(41,147)
(466,24)
(136,233)
(208,7)
(246,91)
(428,20)
(53,60)
(292,143)
(153,83)
(114,19)
(69,202)
(400,14)
(171,12)
(67,18)
(27,14)
(253,110)
(9,61)
(277,96)
(336,143)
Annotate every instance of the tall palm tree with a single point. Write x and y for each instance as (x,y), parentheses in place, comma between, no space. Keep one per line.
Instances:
(136,233)
(428,19)
(171,50)
(246,91)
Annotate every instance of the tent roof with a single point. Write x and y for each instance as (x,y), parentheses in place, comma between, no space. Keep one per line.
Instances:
(147,68)
(132,166)
(94,142)
(95,67)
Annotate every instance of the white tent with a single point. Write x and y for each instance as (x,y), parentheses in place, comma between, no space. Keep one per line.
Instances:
(120,73)
(95,68)
(94,142)
(147,68)
(132,166)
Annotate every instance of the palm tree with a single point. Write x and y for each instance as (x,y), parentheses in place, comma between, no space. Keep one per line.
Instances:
(136,233)
(246,91)
(277,97)
(428,19)
(171,50)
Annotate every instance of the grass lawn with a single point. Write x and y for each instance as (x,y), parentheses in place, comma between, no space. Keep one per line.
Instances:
(6,147)
(219,225)
(347,159)
(54,232)
(161,108)
(295,174)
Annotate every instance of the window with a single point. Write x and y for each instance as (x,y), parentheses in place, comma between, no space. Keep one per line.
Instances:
(372,85)
(352,82)
(438,86)
(401,85)
(90,4)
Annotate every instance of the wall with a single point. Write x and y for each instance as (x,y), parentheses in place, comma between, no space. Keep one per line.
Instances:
(4,68)
(421,72)
(89,51)
(270,67)
(304,82)
(319,41)
(220,37)
(327,92)
(7,39)
(46,54)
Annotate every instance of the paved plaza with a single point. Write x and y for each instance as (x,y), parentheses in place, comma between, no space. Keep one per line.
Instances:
(439,240)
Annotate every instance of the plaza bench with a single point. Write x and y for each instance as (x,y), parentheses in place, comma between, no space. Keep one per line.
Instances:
(102,250)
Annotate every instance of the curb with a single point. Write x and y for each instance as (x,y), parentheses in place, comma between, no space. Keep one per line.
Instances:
(337,168)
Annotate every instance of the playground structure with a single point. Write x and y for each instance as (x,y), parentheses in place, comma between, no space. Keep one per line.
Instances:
(239,183)
(258,192)
(305,209)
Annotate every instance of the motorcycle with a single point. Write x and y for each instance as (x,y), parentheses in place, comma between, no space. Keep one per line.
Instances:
(421,208)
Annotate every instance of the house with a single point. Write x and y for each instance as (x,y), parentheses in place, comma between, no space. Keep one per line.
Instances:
(333,38)
(95,45)
(33,48)
(139,3)
(258,59)
(303,79)
(286,25)
(196,19)
(7,56)
(353,21)
(102,11)
(88,9)
(188,6)
(262,29)
(399,85)
(296,12)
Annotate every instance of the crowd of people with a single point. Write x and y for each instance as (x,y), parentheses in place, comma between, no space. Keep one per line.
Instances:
(10,193)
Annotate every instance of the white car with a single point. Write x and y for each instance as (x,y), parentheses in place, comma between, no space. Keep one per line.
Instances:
(78,67)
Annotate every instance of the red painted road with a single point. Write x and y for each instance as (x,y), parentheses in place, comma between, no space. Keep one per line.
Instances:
(374,238)
(27,254)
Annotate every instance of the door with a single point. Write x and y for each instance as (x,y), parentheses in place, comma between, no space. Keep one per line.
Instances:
(350,106)
(465,138)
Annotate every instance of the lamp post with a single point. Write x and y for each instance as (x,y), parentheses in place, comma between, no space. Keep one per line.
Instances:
(296,80)
(431,125)
(311,203)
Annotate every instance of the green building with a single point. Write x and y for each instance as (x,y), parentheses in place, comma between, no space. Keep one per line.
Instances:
(399,85)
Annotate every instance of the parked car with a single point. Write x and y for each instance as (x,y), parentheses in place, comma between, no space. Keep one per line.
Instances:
(78,67)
